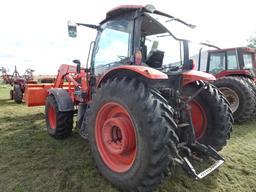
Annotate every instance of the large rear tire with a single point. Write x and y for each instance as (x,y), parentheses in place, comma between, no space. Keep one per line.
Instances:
(131,134)
(240,96)
(211,116)
(252,84)
(59,124)
(17,93)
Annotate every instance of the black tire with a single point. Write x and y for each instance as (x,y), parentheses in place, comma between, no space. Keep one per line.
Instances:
(11,94)
(17,93)
(218,116)
(245,96)
(63,120)
(155,129)
(252,84)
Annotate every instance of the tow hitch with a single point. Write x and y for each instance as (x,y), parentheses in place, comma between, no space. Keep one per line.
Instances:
(190,148)
(208,151)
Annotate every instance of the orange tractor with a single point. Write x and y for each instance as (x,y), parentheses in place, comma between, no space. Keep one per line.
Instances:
(140,118)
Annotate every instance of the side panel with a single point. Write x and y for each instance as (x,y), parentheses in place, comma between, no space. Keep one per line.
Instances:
(144,71)
(193,75)
(63,99)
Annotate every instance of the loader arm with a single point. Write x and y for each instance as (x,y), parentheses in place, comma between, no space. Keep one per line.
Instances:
(65,71)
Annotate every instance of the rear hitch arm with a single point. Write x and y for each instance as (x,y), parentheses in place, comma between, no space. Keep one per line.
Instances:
(188,167)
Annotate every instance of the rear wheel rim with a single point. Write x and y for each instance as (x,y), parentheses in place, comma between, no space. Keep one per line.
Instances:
(115,137)
(52,116)
(199,119)
(232,98)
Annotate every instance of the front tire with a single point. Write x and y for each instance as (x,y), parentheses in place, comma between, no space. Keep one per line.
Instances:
(131,134)
(11,94)
(59,124)
(17,93)
(211,116)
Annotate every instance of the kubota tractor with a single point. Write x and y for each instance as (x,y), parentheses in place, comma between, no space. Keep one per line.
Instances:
(139,117)
(235,70)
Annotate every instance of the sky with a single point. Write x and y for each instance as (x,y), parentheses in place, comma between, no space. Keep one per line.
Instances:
(33,33)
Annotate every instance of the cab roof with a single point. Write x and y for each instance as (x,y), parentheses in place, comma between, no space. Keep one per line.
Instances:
(122,9)
(244,49)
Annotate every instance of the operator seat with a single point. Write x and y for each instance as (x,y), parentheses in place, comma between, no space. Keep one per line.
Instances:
(155,59)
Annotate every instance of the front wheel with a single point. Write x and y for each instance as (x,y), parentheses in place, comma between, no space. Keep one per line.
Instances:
(211,116)
(17,93)
(11,94)
(59,124)
(131,129)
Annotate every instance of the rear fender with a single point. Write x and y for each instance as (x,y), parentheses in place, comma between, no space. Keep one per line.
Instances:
(245,73)
(193,76)
(63,99)
(133,70)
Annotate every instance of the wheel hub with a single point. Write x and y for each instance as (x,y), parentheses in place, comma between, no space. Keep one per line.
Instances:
(232,98)
(199,119)
(115,137)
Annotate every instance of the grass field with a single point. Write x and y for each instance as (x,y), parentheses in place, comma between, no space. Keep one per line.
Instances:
(30,160)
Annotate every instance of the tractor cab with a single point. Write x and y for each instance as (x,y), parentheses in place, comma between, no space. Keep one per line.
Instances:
(223,61)
(139,35)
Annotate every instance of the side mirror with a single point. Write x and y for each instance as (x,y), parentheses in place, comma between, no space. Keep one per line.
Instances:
(78,65)
(72,30)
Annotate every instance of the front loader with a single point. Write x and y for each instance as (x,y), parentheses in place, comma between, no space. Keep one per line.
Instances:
(139,117)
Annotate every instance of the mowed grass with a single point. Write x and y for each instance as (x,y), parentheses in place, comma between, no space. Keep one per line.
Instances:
(31,160)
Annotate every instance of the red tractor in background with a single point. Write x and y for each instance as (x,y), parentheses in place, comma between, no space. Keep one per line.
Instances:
(235,70)
(139,116)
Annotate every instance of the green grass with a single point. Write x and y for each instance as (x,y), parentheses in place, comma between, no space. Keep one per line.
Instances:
(30,160)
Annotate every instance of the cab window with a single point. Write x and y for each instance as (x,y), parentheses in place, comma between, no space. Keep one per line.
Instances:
(217,63)
(232,60)
(248,60)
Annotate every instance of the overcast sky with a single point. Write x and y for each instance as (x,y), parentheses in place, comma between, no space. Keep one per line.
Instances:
(33,33)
